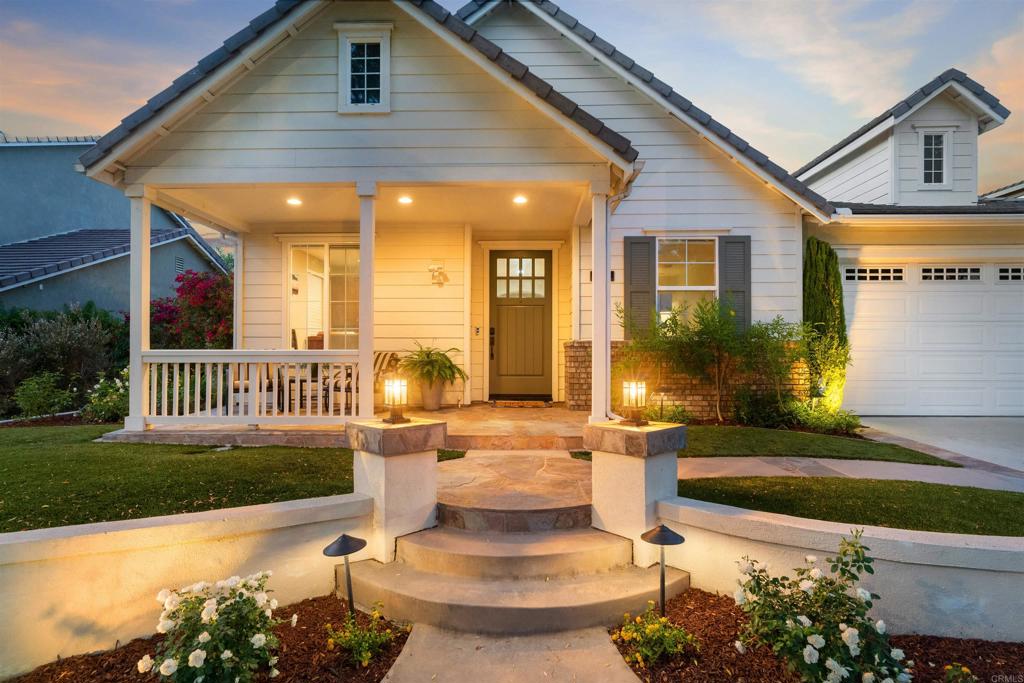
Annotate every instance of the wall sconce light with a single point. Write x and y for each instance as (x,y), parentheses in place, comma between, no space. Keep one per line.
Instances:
(437,275)
(343,546)
(396,397)
(662,536)
(634,400)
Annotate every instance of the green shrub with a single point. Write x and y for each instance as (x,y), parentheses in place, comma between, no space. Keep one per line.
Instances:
(42,395)
(770,349)
(817,621)
(758,409)
(108,400)
(818,418)
(217,633)
(706,344)
(676,414)
(362,643)
(648,638)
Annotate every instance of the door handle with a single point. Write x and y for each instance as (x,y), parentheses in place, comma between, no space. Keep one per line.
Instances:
(492,342)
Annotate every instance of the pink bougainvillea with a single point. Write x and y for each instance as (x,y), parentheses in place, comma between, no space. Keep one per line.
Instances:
(199,316)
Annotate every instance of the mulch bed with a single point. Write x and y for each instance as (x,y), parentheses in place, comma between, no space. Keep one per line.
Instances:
(716,621)
(303,654)
(51,421)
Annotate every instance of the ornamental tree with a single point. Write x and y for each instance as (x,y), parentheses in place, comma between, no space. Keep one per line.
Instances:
(198,316)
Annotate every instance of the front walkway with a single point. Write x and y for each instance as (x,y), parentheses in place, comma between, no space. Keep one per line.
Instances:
(998,440)
(695,468)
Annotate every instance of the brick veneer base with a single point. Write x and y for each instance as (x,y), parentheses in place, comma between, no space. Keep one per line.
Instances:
(693,394)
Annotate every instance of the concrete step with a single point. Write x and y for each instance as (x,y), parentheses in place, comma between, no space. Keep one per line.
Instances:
(513,521)
(494,555)
(507,606)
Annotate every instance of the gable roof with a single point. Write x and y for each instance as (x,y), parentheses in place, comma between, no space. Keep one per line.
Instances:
(983,207)
(1011,191)
(725,136)
(281,10)
(46,257)
(42,140)
(897,110)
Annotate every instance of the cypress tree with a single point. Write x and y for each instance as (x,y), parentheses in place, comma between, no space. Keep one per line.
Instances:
(829,349)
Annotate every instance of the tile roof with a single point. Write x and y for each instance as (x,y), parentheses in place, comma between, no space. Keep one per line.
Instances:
(742,147)
(47,139)
(258,26)
(908,103)
(982,207)
(22,262)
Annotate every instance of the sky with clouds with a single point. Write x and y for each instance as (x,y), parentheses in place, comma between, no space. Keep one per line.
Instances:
(791,76)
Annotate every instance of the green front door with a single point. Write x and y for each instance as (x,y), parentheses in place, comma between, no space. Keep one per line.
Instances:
(520,334)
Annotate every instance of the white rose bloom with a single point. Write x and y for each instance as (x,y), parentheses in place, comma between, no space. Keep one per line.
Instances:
(789,623)
(295,620)
(267,573)
(197,658)
(269,612)
(843,627)
(233,581)
(204,637)
(851,637)
(226,655)
(867,678)
(261,599)
(811,559)
(252,583)
(145,664)
(208,614)
(272,661)
(816,640)
(168,667)
(258,640)
(887,680)
(162,596)
(164,626)
(810,655)
(897,653)
(804,620)
(863,594)
(212,602)
(273,603)
(740,596)
(740,647)
(880,626)
(172,602)
(838,669)
(746,568)
(903,677)
(807,585)
(200,587)
(816,574)
(274,673)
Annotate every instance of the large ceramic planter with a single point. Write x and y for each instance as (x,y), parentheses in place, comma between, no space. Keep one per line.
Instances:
(432,393)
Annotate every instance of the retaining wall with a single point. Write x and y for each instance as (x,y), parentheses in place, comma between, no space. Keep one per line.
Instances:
(930,583)
(76,589)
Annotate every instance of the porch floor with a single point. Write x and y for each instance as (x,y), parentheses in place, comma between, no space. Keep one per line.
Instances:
(478,426)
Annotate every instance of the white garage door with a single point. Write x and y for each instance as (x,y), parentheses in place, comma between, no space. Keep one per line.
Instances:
(943,338)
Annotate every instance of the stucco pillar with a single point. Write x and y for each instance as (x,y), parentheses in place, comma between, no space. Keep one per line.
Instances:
(632,469)
(367,192)
(138,323)
(396,465)
(601,303)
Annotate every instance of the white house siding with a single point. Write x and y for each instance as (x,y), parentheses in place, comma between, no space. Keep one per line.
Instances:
(686,184)
(449,120)
(408,307)
(864,177)
(963,151)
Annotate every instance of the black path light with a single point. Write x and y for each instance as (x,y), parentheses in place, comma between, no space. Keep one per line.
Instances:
(343,546)
(662,536)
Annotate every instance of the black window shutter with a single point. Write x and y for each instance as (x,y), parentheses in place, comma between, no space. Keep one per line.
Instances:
(734,276)
(641,286)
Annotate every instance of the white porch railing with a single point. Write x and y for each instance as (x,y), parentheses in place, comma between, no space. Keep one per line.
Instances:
(251,387)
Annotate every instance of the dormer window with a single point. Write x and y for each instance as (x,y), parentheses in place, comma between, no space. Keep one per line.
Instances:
(934,150)
(364,67)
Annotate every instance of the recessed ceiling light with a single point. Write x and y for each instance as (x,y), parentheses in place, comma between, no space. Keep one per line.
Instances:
(405,199)
(294,201)
(519,199)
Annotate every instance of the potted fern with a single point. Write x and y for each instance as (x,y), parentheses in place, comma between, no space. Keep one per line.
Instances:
(432,368)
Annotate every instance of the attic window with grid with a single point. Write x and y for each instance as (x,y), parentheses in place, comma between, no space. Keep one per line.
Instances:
(948,273)
(1011,273)
(364,67)
(874,274)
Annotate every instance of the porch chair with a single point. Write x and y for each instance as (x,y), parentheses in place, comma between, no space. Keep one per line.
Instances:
(342,381)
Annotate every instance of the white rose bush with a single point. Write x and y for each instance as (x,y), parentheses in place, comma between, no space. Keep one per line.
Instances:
(817,621)
(216,633)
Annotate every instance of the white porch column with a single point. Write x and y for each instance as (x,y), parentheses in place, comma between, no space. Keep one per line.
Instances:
(138,381)
(239,293)
(601,359)
(367,192)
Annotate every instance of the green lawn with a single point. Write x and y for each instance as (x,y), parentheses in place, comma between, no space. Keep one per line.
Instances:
(53,476)
(712,442)
(875,502)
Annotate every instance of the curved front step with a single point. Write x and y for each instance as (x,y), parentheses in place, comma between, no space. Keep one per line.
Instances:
(507,606)
(513,521)
(514,556)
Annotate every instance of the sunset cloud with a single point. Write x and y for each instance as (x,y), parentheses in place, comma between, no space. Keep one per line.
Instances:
(1001,70)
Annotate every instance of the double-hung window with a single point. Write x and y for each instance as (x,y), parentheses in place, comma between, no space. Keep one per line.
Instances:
(687,273)
(934,157)
(364,67)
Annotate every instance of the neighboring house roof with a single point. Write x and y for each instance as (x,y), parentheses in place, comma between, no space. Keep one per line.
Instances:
(677,101)
(932,87)
(47,139)
(983,207)
(282,8)
(1011,191)
(46,257)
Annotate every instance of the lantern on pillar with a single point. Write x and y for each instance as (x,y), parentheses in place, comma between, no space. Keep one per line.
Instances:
(634,400)
(396,397)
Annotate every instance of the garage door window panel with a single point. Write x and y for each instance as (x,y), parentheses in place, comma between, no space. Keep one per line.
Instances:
(951,274)
(1010,273)
(873,274)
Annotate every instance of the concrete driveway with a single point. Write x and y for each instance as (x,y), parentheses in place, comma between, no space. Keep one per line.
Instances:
(998,440)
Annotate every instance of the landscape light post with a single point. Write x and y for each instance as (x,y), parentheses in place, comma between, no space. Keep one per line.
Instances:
(662,536)
(343,546)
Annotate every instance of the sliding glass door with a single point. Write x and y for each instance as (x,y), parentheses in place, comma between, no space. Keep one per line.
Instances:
(323,296)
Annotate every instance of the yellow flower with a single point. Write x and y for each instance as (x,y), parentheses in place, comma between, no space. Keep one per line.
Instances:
(948,667)
(663,620)
(330,643)
(965,669)
(638,620)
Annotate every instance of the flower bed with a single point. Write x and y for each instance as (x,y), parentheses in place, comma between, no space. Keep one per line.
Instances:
(303,654)
(716,621)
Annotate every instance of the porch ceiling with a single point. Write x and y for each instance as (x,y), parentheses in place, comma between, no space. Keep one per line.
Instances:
(489,207)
